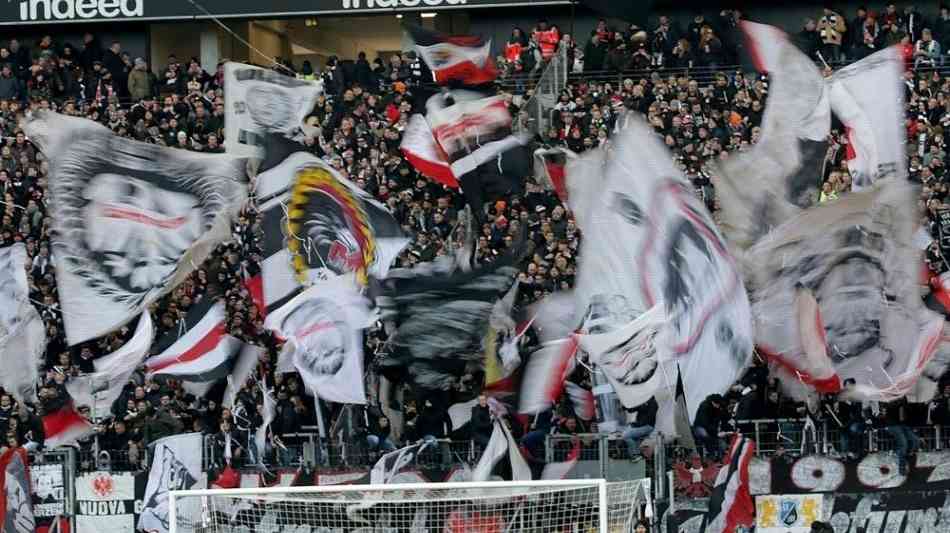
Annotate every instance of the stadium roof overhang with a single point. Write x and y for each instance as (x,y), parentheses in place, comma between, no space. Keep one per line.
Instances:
(21,12)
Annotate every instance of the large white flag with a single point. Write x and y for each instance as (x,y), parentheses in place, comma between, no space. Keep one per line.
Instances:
(322,328)
(260,101)
(22,333)
(672,256)
(101,388)
(131,220)
(868,97)
(500,444)
(176,465)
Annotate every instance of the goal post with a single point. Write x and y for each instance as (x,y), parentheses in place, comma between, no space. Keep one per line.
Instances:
(555,506)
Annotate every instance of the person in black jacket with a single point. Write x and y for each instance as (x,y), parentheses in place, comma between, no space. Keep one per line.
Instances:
(641,427)
(481,423)
(378,437)
(906,441)
(709,418)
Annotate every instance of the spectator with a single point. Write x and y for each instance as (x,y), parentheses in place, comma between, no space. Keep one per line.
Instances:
(481,422)
(942,27)
(927,51)
(140,86)
(547,39)
(706,426)
(710,48)
(595,53)
(379,437)
(906,442)
(808,39)
(640,427)
(831,29)
(9,85)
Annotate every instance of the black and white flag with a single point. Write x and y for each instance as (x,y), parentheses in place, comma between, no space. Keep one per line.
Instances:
(100,389)
(391,463)
(130,220)
(16,502)
(22,333)
(440,319)
(322,329)
(259,102)
(318,225)
(500,445)
(176,465)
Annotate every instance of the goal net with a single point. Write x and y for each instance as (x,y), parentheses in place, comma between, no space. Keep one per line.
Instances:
(563,506)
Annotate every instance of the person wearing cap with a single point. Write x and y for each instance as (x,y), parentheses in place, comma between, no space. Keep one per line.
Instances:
(140,86)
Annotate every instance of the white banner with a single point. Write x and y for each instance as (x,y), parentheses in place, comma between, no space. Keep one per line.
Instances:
(672,256)
(260,101)
(324,339)
(131,220)
(176,465)
(105,502)
(22,332)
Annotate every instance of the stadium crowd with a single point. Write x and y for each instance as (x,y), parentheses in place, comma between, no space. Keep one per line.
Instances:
(362,115)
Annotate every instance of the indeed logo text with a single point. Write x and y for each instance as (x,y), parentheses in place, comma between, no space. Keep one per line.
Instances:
(81,9)
(370,4)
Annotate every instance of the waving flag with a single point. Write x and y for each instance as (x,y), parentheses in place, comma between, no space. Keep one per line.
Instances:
(203,354)
(501,445)
(731,505)
(424,153)
(175,466)
(763,187)
(22,332)
(393,462)
(65,427)
(322,328)
(244,367)
(440,319)
(260,101)
(673,256)
(318,225)
(857,257)
(868,97)
(101,388)
(462,59)
(131,220)
(16,501)
(545,374)
(549,169)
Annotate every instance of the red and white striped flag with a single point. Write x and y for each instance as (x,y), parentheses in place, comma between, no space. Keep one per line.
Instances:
(731,505)
(65,427)
(544,376)
(459,58)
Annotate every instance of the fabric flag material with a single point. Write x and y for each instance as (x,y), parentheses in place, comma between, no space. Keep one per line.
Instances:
(544,375)
(244,367)
(462,59)
(131,220)
(65,427)
(857,257)
(200,356)
(767,185)
(731,505)
(684,431)
(322,328)
(393,462)
(582,399)
(175,466)
(260,101)
(424,153)
(440,318)
(318,225)
(268,414)
(471,128)
(549,169)
(16,501)
(22,332)
(560,469)
(500,444)
(674,257)
(555,317)
(868,97)
(628,356)
(101,388)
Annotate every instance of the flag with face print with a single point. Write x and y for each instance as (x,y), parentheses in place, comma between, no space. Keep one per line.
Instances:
(131,220)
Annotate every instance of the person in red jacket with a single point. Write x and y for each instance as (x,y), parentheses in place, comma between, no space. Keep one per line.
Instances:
(516,44)
(547,39)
